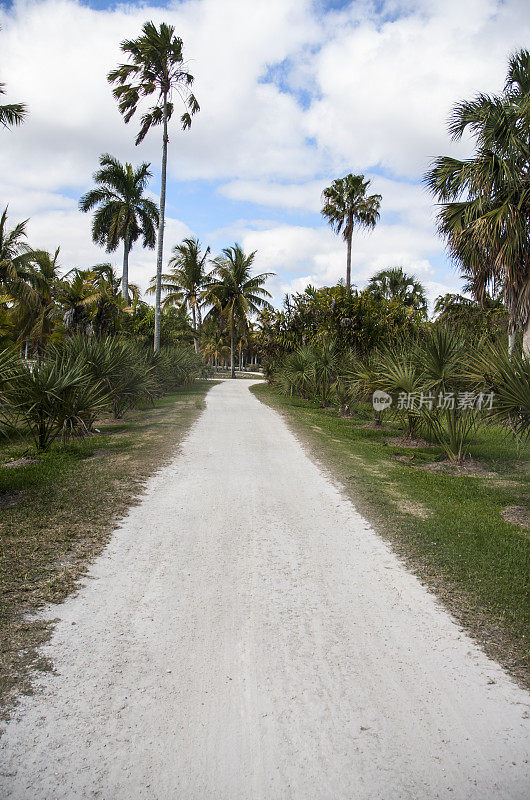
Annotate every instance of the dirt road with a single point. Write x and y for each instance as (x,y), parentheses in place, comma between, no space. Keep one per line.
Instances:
(246,636)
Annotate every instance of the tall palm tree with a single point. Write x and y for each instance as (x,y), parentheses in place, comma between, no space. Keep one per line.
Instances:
(235,293)
(123,213)
(185,280)
(485,200)
(395,284)
(346,206)
(157,68)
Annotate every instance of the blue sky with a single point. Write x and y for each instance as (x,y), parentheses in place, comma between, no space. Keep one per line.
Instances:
(293,93)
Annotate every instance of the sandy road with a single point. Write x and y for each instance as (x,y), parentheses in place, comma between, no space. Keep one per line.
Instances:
(246,636)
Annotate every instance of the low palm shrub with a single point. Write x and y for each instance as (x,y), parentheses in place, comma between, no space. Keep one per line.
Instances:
(361,377)
(83,377)
(297,372)
(493,369)
(441,357)
(325,369)
(51,398)
(399,373)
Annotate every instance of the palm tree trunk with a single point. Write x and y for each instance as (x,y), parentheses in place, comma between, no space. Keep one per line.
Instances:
(511,342)
(125,273)
(199,320)
(232,362)
(348,254)
(526,339)
(195,338)
(160,247)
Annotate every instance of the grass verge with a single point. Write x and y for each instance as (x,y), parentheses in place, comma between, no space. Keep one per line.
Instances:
(449,528)
(58,512)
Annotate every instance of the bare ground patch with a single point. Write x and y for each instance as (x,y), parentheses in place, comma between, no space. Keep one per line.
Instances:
(518,515)
(469,468)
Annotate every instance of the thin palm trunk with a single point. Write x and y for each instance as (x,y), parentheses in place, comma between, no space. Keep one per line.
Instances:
(232,362)
(125,273)
(195,337)
(348,254)
(160,248)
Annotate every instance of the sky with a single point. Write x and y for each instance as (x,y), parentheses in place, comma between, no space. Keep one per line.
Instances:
(293,94)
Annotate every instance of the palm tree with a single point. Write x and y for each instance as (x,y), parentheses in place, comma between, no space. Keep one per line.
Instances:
(38,311)
(395,284)
(235,293)
(485,200)
(15,253)
(346,205)
(76,295)
(123,213)
(109,303)
(157,68)
(184,283)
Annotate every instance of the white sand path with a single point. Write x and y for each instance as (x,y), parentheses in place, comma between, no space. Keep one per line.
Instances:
(247,636)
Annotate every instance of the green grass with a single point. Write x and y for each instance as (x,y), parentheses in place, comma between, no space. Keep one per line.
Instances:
(448,527)
(58,513)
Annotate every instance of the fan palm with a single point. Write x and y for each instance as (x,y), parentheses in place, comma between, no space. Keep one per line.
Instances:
(346,206)
(183,284)
(157,68)
(395,284)
(485,211)
(123,213)
(235,293)
(493,369)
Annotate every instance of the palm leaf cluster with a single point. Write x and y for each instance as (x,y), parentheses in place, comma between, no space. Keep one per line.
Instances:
(485,200)
(395,284)
(11,114)
(347,206)
(123,214)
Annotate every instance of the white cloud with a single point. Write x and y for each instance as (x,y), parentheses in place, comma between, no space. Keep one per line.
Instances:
(302,255)
(299,196)
(385,88)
